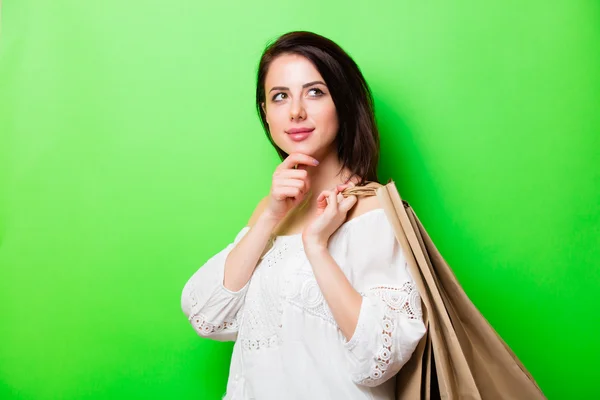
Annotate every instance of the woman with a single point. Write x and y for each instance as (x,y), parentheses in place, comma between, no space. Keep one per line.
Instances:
(315,291)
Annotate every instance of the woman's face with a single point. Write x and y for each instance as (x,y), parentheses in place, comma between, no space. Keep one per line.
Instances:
(296,97)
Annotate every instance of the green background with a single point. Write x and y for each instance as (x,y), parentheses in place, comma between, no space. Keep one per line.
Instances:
(130,152)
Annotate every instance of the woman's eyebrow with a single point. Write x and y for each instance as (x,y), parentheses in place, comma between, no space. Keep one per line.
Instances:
(305,85)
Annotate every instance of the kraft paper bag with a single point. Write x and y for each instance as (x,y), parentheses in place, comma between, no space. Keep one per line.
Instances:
(461,356)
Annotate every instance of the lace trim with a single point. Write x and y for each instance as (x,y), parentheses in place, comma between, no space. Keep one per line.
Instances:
(206,328)
(201,323)
(405,301)
(257,344)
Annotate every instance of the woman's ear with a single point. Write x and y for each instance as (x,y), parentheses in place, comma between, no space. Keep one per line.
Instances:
(262,105)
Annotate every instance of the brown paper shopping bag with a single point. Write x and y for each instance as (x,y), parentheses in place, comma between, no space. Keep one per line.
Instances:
(460,356)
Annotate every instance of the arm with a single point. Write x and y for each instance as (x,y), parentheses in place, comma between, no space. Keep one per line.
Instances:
(242,260)
(343,300)
(375,303)
(209,301)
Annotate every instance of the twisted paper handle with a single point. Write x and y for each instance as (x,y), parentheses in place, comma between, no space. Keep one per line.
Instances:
(369,189)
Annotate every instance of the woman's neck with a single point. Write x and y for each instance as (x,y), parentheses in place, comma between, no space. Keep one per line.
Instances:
(325,176)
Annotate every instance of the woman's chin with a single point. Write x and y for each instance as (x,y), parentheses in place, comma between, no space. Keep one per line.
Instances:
(302,149)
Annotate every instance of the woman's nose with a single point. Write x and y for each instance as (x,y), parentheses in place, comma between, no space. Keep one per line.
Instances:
(297,111)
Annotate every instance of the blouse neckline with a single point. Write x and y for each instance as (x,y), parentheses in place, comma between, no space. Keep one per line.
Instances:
(343,226)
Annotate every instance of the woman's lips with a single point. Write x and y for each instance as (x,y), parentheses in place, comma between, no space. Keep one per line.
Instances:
(300,136)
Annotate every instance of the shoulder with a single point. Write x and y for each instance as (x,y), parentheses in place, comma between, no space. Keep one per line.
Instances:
(365,222)
(363,205)
(367,237)
(258,210)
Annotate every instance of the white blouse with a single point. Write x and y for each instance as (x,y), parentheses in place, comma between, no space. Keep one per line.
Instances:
(287,342)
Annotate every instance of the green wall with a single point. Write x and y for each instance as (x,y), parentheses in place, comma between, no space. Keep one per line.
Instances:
(130,152)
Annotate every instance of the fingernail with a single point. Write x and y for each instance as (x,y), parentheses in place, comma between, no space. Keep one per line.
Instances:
(316,162)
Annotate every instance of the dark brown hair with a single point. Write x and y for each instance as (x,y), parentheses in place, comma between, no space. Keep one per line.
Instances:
(358,136)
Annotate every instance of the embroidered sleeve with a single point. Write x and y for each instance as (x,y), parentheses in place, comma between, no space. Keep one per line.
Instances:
(390,323)
(210,307)
(388,330)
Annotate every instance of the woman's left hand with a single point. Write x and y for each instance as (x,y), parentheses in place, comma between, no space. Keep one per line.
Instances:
(332,209)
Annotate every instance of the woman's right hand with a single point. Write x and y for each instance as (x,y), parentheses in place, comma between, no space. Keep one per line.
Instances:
(289,185)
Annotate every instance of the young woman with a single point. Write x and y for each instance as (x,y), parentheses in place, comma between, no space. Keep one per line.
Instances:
(315,291)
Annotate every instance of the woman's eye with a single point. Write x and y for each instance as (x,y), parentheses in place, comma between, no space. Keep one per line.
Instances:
(278,94)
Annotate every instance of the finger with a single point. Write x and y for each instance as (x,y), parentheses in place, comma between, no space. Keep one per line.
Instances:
(291,173)
(302,185)
(324,194)
(295,159)
(322,199)
(331,198)
(345,186)
(289,182)
(284,192)
(337,194)
(348,203)
(282,176)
